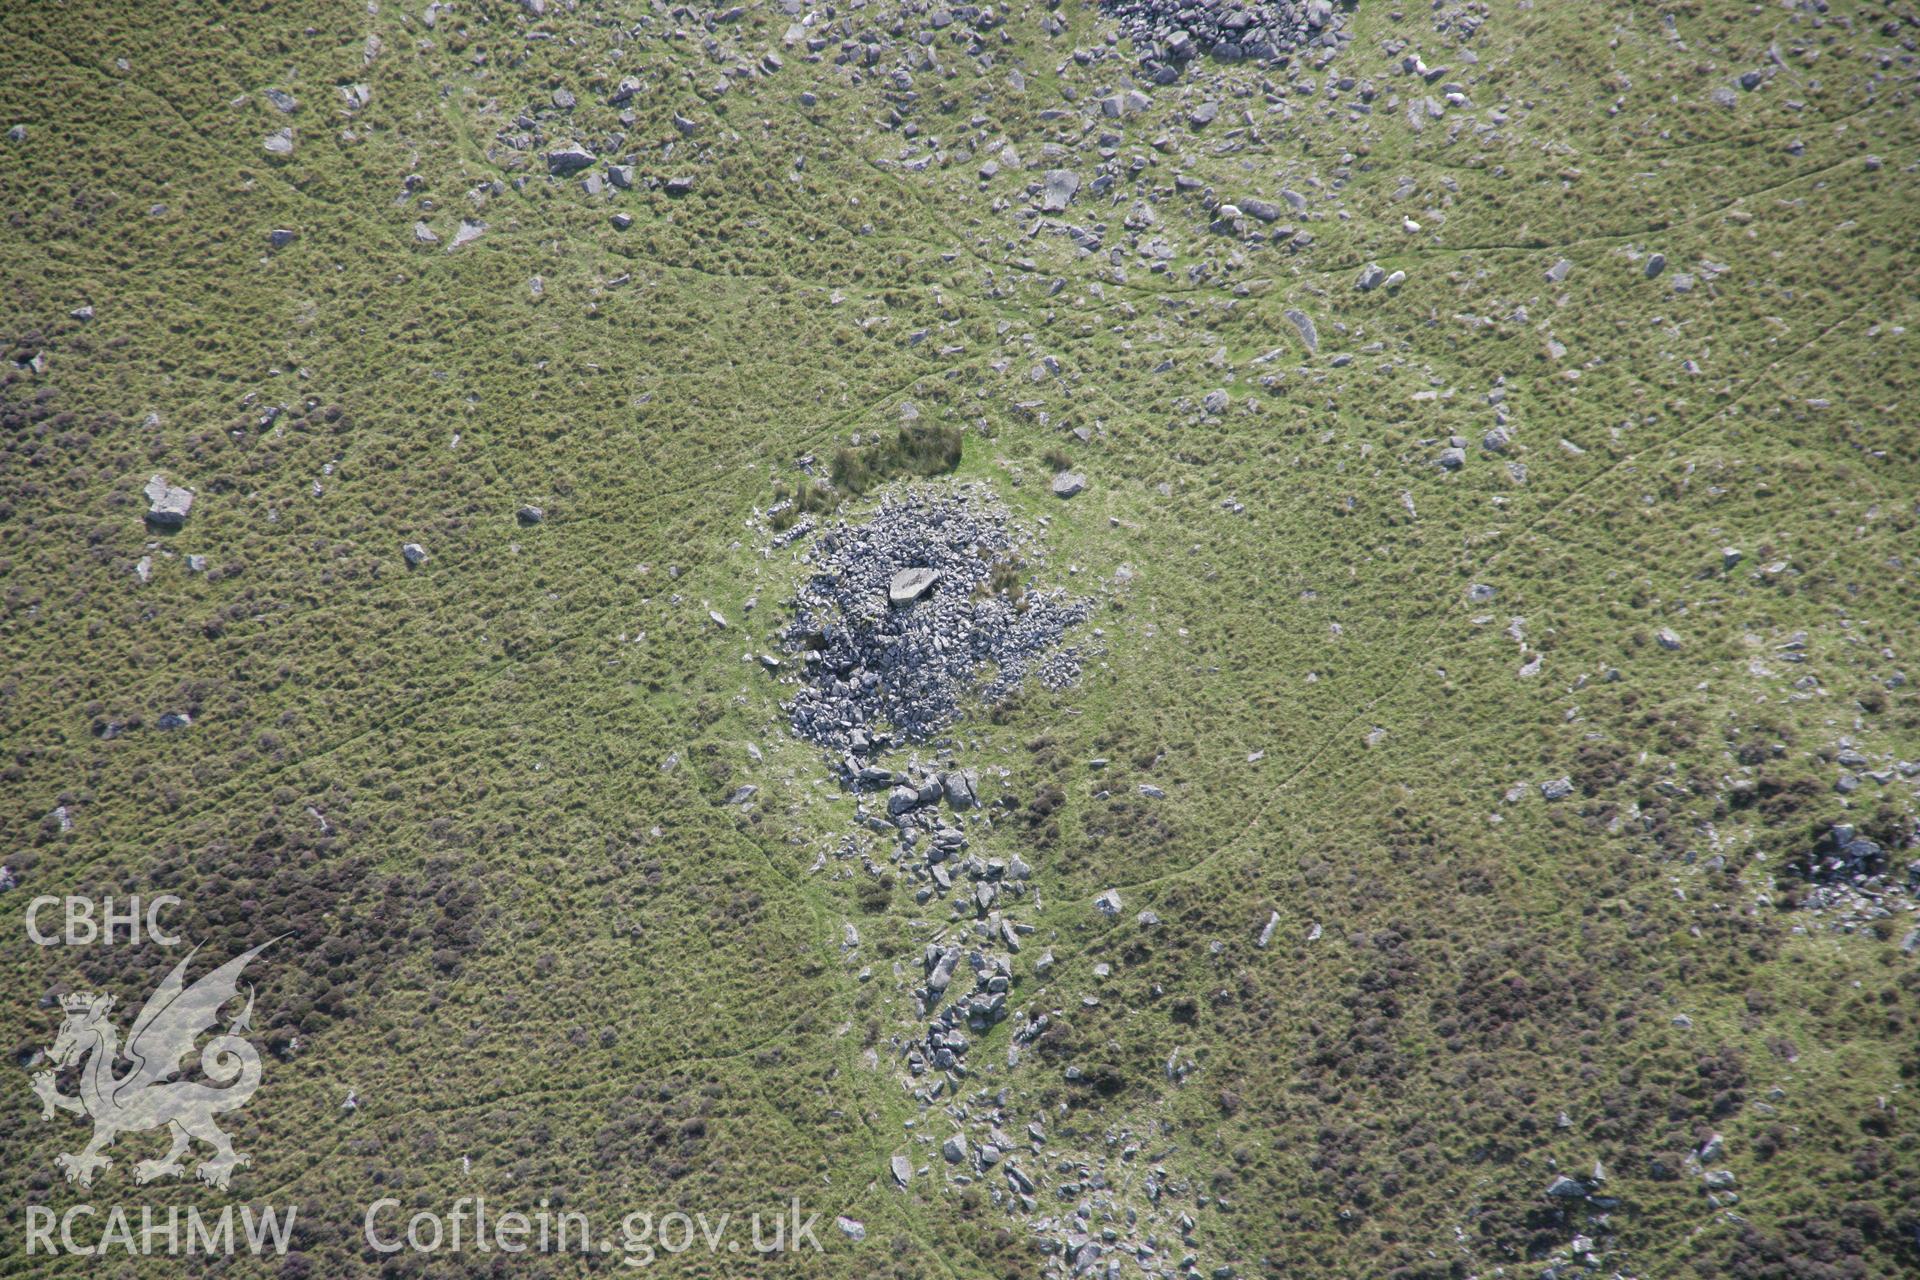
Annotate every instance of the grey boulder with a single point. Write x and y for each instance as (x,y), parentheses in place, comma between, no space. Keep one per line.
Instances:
(909,585)
(167,504)
(1308,334)
(963,788)
(568,158)
(1057,189)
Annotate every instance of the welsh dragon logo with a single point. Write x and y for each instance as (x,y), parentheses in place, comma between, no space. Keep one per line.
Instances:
(142,1096)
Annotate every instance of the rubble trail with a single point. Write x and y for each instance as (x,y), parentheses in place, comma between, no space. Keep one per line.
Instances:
(900,622)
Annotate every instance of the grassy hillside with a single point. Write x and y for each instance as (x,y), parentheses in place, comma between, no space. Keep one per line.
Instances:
(483,802)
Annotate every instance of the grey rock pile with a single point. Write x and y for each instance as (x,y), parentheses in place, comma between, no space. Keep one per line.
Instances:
(1169,34)
(898,624)
(1842,854)
(978,981)
(1852,882)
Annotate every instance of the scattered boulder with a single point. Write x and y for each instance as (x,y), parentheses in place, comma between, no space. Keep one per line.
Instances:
(569,158)
(1266,934)
(167,504)
(962,788)
(1308,334)
(1057,189)
(469,232)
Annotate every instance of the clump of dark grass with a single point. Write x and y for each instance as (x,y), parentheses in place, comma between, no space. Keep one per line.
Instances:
(918,450)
